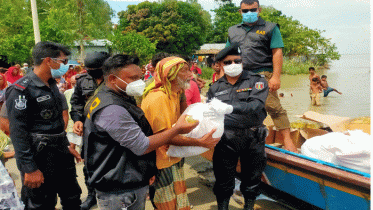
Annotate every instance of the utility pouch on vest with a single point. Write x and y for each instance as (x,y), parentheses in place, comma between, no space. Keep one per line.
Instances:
(40,141)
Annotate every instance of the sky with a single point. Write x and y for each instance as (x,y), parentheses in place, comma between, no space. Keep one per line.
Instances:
(346,22)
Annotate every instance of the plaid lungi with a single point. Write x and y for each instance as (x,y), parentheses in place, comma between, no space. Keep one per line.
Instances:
(170,188)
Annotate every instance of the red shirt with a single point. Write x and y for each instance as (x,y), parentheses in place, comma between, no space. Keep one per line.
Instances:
(199,71)
(192,94)
(214,78)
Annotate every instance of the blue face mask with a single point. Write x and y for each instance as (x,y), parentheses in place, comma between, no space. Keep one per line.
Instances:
(57,73)
(249,17)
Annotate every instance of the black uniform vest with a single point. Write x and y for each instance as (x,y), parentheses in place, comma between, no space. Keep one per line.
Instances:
(255,44)
(112,167)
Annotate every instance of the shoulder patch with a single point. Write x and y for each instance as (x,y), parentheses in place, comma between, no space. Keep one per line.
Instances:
(259,85)
(22,84)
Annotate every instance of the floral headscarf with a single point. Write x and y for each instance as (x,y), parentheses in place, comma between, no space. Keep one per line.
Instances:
(165,71)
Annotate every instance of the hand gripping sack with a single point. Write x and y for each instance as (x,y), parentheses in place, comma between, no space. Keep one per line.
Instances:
(210,116)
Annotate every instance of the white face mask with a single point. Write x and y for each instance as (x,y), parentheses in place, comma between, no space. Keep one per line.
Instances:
(233,70)
(135,88)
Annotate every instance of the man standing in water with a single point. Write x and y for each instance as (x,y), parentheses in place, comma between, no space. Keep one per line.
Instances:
(261,44)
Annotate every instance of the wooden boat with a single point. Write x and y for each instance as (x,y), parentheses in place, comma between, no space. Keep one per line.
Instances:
(322,184)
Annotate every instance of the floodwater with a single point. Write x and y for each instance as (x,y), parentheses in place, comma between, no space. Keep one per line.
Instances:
(349,75)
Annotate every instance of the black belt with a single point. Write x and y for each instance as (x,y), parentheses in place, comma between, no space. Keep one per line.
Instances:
(42,140)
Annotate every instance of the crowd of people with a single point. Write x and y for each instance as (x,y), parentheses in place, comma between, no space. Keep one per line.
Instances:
(125,116)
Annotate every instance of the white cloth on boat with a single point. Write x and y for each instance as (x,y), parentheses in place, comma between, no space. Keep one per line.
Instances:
(210,116)
(8,194)
(350,150)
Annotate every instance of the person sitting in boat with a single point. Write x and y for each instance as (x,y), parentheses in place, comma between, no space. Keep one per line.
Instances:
(244,132)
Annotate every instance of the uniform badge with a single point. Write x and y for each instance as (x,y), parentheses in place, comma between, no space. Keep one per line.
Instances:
(259,85)
(43,98)
(21,103)
(46,114)
(221,93)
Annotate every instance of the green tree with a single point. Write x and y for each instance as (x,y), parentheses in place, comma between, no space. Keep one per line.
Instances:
(133,43)
(59,21)
(226,16)
(178,27)
(16,33)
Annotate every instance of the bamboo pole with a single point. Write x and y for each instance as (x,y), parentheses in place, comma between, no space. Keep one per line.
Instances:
(35,21)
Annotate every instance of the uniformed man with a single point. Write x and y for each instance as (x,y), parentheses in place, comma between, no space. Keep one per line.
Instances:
(34,107)
(85,86)
(261,45)
(119,141)
(244,132)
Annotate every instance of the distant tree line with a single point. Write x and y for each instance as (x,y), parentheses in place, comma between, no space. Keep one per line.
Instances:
(177,27)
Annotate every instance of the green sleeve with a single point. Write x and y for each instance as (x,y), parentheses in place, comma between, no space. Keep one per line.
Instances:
(276,40)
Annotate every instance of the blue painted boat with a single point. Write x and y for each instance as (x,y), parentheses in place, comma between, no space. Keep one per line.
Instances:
(322,184)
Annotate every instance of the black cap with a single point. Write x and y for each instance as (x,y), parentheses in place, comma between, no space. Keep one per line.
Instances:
(95,59)
(232,49)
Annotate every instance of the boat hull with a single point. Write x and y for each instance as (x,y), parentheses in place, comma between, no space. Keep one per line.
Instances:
(316,182)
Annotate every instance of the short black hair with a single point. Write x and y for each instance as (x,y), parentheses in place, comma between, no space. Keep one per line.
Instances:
(311,68)
(48,49)
(115,63)
(158,57)
(249,2)
(323,76)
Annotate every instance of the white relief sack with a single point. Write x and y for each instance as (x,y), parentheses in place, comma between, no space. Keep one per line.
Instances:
(210,116)
(351,150)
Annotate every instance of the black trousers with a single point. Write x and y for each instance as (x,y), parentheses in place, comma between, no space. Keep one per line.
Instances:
(59,173)
(248,146)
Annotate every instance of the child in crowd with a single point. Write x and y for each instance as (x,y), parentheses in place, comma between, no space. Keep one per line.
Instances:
(326,87)
(149,73)
(217,74)
(73,138)
(195,69)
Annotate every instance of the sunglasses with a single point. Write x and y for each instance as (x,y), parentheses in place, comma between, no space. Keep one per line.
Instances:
(64,61)
(249,10)
(229,62)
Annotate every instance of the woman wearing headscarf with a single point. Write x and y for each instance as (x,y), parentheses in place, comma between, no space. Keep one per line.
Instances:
(13,74)
(161,105)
